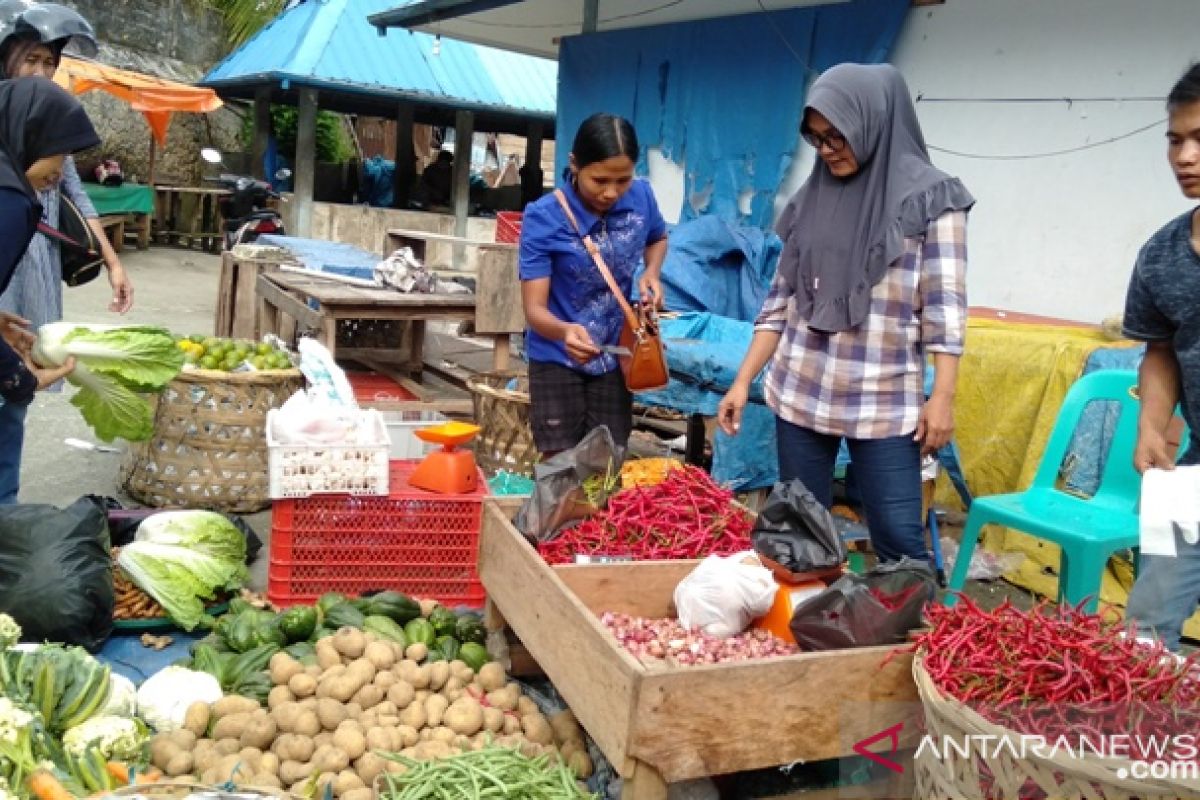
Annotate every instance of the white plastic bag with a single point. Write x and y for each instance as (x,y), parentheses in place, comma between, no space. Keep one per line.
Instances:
(724,594)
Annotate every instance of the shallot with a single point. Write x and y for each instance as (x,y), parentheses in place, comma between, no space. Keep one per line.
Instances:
(667,639)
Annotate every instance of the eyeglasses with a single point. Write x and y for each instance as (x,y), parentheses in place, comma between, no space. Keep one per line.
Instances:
(833,140)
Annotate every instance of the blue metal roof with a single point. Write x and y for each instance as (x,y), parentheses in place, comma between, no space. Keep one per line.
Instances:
(329,44)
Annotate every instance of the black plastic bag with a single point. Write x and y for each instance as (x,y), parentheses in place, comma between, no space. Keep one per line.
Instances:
(558,497)
(56,572)
(795,531)
(853,612)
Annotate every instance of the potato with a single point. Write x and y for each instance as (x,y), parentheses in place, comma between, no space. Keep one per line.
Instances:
(506,698)
(435,708)
(349,642)
(205,754)
(228,747)
(386,708)
(341,687)
(308,704)
(368,719)
(368,696)
(231,726)
(282,667)
(293,772)
(302,685)
(380,654)
(369,766)
(347,781)
(432,749)
(378,739)
(251,756)
(328,655)
(268,764)
(460,670)
(331,713)
(260,733)
(493,719)
(180,764)
(408,735)
(512,724)
(330,758)
(401,694)
(491,676)
(388,720)
(182,737)
(266,780)
(537,729)
(427,606)
(286,714)
(278,696)
(526,706)
(232,768)
(397,649)
(290,747)
(465,716)
(162,749)
(414,716)
(314,669)
(359,794)
(439,673)
(565,726)
(232,704)
(417,651)
(580,763)
(443,734)
(353,710)
(385,679)
(196,719)
(308,724)
(362,668)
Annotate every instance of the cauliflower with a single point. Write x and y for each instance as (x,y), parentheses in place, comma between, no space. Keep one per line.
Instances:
(164,698)
(12,720)
(119,738)
(122,698)
(10,631)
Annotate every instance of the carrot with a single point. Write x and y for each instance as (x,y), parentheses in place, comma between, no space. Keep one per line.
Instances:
(151,775)
(45,786)
(119,772)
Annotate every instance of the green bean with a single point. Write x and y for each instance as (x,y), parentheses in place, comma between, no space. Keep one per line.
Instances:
(493,772)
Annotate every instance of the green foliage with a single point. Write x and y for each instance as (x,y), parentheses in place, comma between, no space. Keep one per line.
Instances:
(333,146)
(244,18)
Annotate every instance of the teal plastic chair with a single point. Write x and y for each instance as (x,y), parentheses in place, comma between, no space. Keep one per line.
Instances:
(1087,529)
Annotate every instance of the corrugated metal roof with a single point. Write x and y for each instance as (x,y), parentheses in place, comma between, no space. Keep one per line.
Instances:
(330,42)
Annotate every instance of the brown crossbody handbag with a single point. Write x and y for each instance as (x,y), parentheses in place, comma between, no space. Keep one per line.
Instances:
(645,366)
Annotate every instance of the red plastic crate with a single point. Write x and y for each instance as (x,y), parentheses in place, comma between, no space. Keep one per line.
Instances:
(413,541)
(508,226)
(371,387)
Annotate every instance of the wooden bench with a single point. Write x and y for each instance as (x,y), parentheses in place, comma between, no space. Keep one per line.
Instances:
(114,229)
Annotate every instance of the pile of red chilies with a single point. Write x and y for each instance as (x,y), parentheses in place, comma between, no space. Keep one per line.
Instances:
(688,515)
(1059,671)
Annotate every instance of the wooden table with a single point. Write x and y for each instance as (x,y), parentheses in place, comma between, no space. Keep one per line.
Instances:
(203,221)
(294,295)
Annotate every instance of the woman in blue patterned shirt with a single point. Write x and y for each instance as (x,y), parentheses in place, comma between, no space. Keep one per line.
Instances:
(574,385)
(870,283)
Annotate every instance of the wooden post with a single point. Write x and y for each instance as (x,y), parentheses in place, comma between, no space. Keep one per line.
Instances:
(153,154)
(306,160)
(532,177)
(464,132)
(262,132)
(406,157)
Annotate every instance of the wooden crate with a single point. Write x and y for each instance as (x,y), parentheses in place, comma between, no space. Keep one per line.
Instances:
(663,725)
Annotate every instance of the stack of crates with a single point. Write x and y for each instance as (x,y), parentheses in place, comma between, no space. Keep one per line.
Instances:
(421,543)
(508,227)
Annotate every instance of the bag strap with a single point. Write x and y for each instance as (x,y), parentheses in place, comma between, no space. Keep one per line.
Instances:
(59,236)
(631,317)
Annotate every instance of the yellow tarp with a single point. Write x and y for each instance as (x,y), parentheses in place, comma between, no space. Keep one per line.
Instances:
(1011,383)
(156,98)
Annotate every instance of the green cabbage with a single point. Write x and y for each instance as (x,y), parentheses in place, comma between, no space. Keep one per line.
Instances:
(113,365)
(184,559)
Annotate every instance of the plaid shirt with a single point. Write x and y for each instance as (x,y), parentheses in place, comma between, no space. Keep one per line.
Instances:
(868,383)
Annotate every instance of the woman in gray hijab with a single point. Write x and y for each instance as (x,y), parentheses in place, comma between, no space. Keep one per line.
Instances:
(871,283)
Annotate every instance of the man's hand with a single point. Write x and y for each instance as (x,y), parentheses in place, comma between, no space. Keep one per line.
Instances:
(1152,452)
(579,344)
(650,290)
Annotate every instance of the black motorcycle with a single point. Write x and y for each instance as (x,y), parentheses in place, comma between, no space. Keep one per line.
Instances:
(246,209)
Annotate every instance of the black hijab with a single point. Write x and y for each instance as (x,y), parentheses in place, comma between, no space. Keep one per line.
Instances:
(38,118)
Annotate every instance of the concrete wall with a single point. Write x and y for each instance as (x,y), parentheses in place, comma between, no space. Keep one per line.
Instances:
(1055,235)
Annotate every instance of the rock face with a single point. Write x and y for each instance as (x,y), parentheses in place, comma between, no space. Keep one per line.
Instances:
(175,39)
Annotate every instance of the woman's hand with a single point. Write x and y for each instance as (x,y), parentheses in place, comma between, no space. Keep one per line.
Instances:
(650,290)
(579,344)
(729,412)
(935,426)
(16,332)
(122,297)
(48,375)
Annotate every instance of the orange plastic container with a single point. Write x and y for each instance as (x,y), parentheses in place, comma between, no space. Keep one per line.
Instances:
(787,597)
(412,541)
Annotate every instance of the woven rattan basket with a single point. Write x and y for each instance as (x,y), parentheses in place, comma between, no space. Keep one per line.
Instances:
(209,448)
(944,772)
(502,411)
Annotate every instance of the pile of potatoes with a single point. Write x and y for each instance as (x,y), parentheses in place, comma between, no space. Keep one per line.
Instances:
(327,724)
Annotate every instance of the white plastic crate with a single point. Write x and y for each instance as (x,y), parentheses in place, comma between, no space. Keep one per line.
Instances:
(402,427)
(304,470)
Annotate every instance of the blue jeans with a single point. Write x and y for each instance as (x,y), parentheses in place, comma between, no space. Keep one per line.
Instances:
(12,440)
(888,474)
(1166,593)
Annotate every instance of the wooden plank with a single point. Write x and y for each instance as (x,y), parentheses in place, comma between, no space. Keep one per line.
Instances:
(498,289)
(274,296)
(596,680)
(223,322)
(814,705)
(641,588)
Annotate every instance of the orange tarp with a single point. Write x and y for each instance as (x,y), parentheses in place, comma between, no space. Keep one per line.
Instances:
(154,97)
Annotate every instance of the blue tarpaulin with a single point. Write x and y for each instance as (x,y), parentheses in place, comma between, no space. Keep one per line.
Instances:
(721,97)
(378,181)
(322,256)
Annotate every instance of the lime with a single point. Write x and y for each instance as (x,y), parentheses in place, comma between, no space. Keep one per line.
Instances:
(262,348)
(209,361)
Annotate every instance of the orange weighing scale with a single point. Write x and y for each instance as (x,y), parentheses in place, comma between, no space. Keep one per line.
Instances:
(449,470)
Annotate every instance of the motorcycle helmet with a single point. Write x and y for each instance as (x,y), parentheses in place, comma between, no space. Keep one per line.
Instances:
(48,23)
